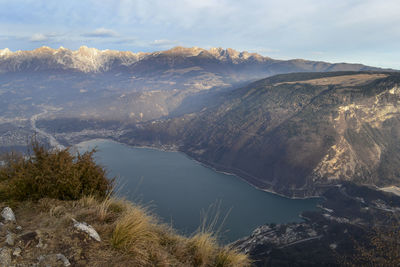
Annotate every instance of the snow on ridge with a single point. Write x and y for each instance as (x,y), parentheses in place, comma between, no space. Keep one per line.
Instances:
(5,52)
(87,59)
(84,59)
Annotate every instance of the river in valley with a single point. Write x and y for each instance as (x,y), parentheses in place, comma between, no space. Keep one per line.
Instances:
(180,191)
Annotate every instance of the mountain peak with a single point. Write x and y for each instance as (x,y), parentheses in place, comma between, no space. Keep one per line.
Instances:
(232,52)
(184,51)
(44,49)
(228,54)
(234,55)
(216,51)
(5,52)
(85,51)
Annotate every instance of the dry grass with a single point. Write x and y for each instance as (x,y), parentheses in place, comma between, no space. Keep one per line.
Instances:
(87,201)
(131,236)
(231,257)
(104,207)
(134,233)
(153,244)
(201,248)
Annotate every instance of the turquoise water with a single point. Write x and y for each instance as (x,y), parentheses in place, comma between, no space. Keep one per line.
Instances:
(180,190)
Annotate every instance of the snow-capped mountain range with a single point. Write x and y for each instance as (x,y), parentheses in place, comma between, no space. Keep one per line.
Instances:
(87,60)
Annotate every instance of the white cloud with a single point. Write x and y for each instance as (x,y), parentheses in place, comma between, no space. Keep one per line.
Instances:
(39,37)
(101,33)
(265,50)
(163,42)
(132,41)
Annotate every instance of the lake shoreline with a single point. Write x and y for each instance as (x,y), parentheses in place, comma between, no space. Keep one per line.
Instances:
(175,149)
(182,188)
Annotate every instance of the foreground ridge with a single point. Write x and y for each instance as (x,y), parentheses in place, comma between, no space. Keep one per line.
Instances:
(81,224)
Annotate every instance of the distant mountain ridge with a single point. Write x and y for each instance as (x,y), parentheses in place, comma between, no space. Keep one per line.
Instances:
(92,60)
(133,87)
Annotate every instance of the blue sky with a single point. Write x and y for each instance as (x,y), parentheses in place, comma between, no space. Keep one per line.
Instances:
(364,31)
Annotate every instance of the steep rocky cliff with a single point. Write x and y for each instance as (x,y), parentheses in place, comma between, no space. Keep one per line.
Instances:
(295,133)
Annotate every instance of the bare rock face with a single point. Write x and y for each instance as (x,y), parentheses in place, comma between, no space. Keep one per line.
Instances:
(8,214)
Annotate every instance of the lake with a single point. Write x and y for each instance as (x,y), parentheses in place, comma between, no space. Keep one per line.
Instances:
(180,191)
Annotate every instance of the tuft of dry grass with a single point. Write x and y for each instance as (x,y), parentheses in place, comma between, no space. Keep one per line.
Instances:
(153,244)
(88,201)
(134,233)
(202,249)
(103,207)
(231,257)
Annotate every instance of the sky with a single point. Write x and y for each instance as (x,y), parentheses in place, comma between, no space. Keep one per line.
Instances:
(354,31)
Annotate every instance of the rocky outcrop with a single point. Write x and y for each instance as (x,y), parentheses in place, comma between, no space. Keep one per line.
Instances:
(21,248)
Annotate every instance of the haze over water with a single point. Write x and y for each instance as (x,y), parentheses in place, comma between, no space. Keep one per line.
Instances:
(179,189)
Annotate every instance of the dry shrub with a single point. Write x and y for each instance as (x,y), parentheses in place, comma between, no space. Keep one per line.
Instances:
(53,174)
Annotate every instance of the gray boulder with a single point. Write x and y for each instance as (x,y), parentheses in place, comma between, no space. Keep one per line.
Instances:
(10,240)
(82,226)
(8,214)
